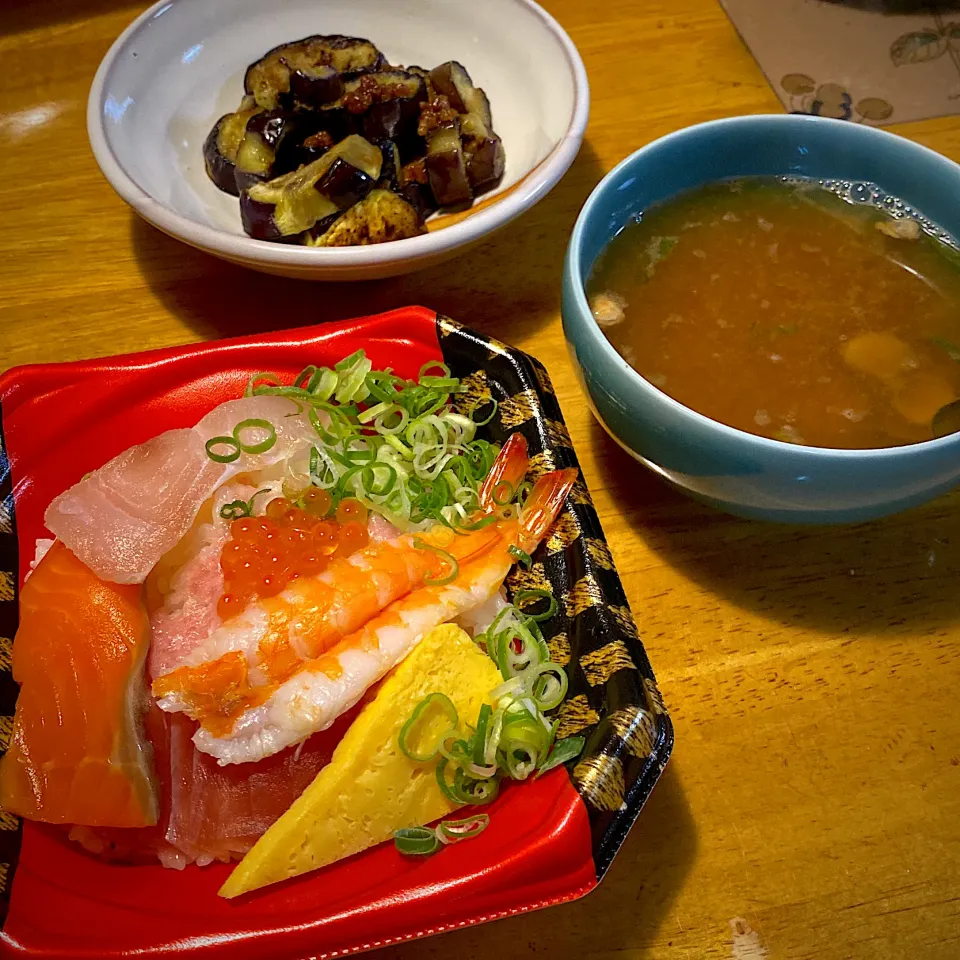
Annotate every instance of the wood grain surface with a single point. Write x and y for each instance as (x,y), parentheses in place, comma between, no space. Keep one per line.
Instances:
(812,806)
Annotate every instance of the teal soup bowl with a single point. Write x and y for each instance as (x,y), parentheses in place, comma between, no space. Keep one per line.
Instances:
(736,471)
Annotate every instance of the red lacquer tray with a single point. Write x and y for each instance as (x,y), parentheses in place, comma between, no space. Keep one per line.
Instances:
(549,841)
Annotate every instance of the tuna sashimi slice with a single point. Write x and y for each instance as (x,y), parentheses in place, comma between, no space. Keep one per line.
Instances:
(219,813)
(121,519)
(77,753)
(209,812)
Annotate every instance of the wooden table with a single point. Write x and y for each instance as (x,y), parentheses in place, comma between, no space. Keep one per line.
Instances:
(814,792)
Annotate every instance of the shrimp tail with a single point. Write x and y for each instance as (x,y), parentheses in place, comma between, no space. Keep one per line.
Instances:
(506,474)
(546,500)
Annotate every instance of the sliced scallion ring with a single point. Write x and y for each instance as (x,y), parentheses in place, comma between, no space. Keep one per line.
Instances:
(416,841)
(522,557)
(533,594)
(453,831)
(548,684)
(449,558)
(472,791)
(240,508)
(480,737)
(403,741)
(218,456)
(260,446)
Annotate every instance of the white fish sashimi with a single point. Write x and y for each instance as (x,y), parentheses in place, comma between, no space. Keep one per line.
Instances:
(121,519)
(294,431)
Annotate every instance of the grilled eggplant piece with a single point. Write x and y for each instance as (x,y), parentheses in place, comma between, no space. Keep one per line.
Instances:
(446,165)
(297,151)
(390,168)
(285,207)
(344,183)
(386,105)
(223,141)
(415,187)
(381,216)
(452,81)
(270,79)
(483,150)
(313,86)
(262,144)
(425,74)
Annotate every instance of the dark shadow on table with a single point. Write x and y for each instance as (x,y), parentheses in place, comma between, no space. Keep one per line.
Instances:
(22,15)
(509,285)
(625,913)
(892,577)
(906,7)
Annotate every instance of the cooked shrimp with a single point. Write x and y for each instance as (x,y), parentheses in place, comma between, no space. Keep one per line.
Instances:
(322,689)
(240,663)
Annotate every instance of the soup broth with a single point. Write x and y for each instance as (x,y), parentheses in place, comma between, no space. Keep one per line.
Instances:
(787,310)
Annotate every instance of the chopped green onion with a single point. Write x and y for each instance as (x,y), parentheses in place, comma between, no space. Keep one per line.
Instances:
(458,752)
(563,751)
(427,463)
(453,831)
(548,685)
(422,841)
(261,446)
(502,493)
(451,560)
(521,757)
(522,556)
(447,789)
(240,508)
(494,730)
(470,790)
(493,411)
(480,737)
(259,381)
(429,365)
(416,841)
(532,594)
(229,442)
(523,491)
(403,740)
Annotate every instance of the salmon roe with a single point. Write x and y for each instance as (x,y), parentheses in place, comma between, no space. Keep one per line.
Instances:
(264,554)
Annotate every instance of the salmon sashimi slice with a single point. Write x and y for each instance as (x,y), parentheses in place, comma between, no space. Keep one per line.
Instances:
(77,752)
(121,519)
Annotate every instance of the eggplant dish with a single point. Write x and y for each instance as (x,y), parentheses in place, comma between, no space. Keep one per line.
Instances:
(332,146)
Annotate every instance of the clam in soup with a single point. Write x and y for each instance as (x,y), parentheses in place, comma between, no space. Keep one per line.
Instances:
(788,309)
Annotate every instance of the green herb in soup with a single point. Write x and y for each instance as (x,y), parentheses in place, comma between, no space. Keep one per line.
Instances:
(788,311)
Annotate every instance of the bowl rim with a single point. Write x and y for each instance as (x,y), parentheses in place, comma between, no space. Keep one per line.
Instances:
(527,191)
(590,326)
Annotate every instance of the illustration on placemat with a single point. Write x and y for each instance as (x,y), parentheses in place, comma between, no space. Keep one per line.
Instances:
(919,46)
(875,62)
(831,100)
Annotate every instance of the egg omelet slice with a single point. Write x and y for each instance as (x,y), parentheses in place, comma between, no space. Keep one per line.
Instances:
(370,788)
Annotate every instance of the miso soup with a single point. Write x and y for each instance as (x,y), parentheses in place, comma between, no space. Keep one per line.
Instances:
(819,314)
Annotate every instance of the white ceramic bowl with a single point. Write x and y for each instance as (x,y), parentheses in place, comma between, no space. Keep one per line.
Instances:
(180,65)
